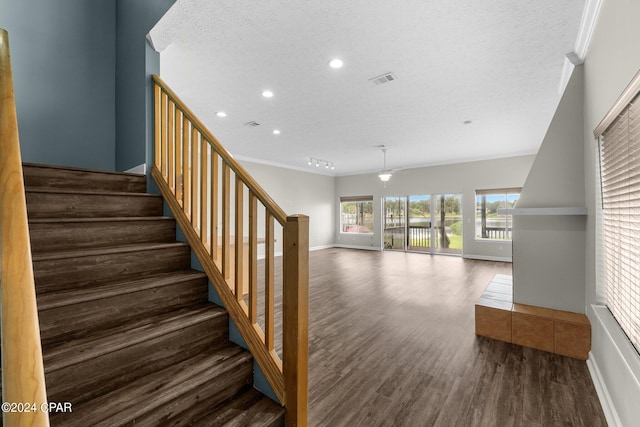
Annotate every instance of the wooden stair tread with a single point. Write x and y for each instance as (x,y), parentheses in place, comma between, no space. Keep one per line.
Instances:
(48,301)
(79,253)
(60,234)
(68,177)
(156,391)
(71,352)
(56,190)
(248,408)
(78,169)
(128,334)
(92,220)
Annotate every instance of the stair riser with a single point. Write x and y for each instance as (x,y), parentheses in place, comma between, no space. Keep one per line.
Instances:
(64,273)
(66,205)
(38,176)
(62,235)
(192,405)
(250,404)
(78,320)
(107,372)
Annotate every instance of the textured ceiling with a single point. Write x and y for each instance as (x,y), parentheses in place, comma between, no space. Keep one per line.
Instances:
(497,63)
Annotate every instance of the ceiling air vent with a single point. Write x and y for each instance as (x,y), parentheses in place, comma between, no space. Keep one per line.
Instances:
(383,78)
(252,124)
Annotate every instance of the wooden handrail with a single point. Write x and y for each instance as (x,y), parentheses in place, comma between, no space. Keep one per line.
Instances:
(22,370)
(222,210)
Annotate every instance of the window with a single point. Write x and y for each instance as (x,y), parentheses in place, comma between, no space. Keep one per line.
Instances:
(490,224)
(356,214)
(620,179)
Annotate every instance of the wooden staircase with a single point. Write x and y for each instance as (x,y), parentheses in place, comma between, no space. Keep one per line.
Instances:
(128,334)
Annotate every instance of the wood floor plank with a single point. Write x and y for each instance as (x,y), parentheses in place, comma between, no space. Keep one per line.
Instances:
(392,342)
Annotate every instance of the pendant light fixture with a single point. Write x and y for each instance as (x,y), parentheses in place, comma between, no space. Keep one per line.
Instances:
(385,175)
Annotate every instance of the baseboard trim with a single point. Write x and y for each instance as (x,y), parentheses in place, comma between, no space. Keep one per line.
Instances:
(603,393)
(487,258)
(618,368)
(318,248)
(366,248)
(140,169)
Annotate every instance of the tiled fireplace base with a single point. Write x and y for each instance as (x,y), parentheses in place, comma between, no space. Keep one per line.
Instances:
(555,331)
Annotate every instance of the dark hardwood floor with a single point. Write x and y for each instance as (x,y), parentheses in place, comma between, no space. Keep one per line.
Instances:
(392,343)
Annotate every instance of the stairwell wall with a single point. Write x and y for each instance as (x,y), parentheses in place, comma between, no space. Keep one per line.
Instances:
(63,56)
(135,62)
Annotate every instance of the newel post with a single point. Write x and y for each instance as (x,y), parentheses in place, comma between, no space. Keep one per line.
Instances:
(295,364)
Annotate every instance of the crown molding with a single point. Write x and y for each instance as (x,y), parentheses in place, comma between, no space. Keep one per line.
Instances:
(577,57)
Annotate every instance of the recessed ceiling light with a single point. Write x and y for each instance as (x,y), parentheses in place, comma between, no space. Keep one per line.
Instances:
(336,63)
(221,114)
(276,132)
(267,94)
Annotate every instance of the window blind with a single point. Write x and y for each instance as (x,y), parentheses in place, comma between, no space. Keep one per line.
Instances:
(620,166)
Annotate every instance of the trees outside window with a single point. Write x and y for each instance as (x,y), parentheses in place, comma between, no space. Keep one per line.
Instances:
(356,215)
(490,224)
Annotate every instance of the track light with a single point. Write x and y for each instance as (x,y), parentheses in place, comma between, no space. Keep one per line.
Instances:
(327,163)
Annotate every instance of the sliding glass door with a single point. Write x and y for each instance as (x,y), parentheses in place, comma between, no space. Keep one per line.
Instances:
(424,223)
(395,223)
(419,227)
(447,223)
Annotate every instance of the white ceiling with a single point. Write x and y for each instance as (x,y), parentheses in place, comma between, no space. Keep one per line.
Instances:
(497,63)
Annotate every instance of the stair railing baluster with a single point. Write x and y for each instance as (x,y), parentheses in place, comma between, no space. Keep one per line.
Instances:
(269,282)
(253,258)
(178,175)
(226,220)
(171,146)
(186,176)
(215,182)
(157,99)
(163,145)
(195,212)
(204,192)
(239,240)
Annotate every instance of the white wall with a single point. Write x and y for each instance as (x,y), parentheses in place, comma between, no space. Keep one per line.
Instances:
(548,271)
(300,193)
(462,178)
(612,61)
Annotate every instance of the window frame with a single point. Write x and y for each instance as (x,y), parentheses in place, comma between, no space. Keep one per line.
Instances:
(358,200)
(508,218)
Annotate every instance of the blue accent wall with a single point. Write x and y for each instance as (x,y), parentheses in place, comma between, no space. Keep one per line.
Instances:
(63,55)
(135,62)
